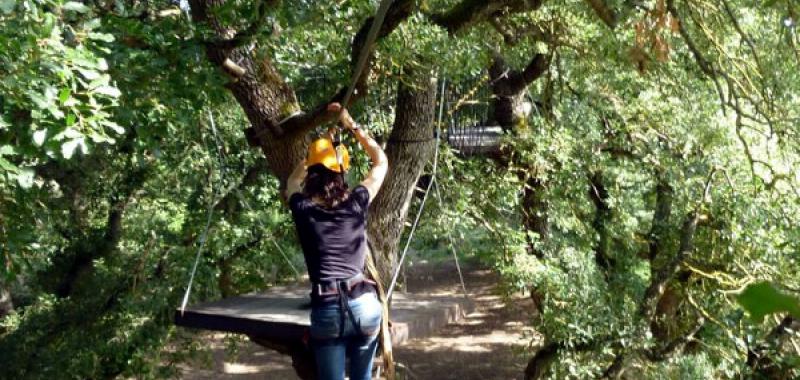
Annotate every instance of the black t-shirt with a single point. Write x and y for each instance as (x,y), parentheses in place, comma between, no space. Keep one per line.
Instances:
(333,239)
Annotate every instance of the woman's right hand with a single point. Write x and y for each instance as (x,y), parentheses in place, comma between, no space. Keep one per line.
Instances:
(344,116)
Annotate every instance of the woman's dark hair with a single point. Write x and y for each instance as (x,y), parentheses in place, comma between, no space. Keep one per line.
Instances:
(325,184)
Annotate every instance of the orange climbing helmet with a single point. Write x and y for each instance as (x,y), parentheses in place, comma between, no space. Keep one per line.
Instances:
(321,151)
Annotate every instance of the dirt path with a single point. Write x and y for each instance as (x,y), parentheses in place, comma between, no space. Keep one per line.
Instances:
(488,344)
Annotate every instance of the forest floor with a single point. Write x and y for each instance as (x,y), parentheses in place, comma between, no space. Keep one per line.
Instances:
(489,343)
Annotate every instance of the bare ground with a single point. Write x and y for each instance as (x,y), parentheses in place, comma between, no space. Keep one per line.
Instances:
(487,344)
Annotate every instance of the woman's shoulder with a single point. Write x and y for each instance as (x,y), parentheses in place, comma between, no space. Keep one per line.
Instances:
(360,195)
(298,201)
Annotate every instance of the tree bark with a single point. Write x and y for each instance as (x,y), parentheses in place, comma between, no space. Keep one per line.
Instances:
(470,12)
(604,12)
(535,212)
(278,126)
(540,363)
(660,225)
(602,217)
(410,146)
(508,89)
(761,358)
(6,303)
(658,284)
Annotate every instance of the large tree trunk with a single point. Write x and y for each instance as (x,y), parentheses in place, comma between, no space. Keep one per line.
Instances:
(6,304)
(509,109)
(409,148)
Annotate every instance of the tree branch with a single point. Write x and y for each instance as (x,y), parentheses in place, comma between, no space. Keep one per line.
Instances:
(398,12)
(470,12)
(599,196)
(660,225)
(758,358)
(604,11)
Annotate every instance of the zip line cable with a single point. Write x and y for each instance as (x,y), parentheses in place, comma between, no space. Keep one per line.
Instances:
(442,101)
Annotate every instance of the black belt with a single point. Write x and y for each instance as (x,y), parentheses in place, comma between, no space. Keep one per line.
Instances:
(335,287)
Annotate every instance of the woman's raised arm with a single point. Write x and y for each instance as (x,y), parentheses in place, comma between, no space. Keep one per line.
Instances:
(380,164)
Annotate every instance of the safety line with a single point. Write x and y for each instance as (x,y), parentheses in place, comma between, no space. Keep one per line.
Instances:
(377,22)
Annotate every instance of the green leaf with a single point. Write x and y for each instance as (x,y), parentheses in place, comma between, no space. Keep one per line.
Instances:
(64,94)
(763,298)
(5,165)
(75,6)
(89,74)
(68,148)
(39,136)
(105,37)
(85,62)
(101,81)
(108,90)
(7,6)
(114,126)
(57,113)
(25,178)
(6,150)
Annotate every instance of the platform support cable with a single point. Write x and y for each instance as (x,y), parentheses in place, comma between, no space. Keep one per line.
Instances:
(452,246)
(422,203)
(442,101)
(245,202)
(204,235)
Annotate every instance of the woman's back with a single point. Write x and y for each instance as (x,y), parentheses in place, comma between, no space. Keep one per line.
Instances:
(332,239)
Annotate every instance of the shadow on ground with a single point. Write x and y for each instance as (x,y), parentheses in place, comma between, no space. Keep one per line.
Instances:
(488,344)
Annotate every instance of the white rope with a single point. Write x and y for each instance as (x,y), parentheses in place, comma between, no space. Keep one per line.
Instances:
(452,247)
(421,206)
(204,236)
(272,238)
(245,201)
(439,195)
(416,222)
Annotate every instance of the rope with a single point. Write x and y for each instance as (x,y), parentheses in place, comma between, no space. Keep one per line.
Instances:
(209,217)
(442,101)
(246,204)
(377,21)
(421,206)
(204,236)
(452,248)
(416,222)
(245,201)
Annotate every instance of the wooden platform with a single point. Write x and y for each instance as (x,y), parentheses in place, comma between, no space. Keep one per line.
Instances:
(281,315)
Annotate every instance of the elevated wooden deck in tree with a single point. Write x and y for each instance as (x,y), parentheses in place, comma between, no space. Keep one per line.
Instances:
(278,319)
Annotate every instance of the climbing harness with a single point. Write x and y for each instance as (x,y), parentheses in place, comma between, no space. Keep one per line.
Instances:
(342,289)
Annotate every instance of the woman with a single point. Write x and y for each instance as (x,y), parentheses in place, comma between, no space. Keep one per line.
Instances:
(330,221)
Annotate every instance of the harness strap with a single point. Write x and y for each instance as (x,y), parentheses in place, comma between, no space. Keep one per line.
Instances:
(344,307)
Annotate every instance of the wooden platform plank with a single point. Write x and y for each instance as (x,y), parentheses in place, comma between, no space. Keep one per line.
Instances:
(281,314)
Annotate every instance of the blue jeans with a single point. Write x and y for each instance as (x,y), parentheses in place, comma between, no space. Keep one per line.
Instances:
(357,343)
